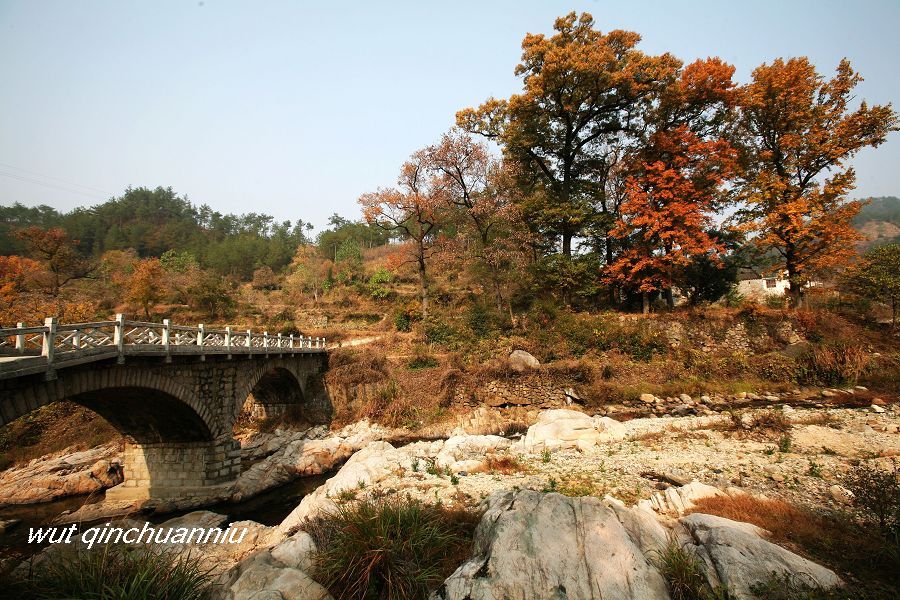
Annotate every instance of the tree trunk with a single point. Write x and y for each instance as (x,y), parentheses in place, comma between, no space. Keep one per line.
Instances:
(645,302)
(613,297)
(670,298)
(796,289)
(423,286)
(567,243)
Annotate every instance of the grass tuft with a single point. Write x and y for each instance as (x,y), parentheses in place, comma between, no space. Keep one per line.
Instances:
(115,572)
(684,575)
(389,549)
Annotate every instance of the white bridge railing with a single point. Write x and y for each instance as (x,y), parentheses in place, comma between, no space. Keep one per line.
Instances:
(71,343)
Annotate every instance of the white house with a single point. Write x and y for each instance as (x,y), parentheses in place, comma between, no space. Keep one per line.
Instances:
(752,284)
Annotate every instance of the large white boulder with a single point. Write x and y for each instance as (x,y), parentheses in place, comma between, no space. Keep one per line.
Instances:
(742,557)
(563,428)
(263,577)
(521,361)
(548,546)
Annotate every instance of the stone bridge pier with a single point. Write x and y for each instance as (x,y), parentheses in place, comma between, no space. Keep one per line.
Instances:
(178,416)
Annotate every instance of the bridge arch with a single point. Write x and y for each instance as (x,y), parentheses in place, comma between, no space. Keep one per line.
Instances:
(120,396)
(178,414)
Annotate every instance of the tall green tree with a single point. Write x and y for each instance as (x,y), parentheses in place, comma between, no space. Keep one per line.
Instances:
(877,277)
(583,90)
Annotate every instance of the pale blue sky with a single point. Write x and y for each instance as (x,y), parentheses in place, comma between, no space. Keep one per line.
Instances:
(297,108)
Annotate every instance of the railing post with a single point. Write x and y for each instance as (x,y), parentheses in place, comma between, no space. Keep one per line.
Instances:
(292,342)
(249,343)
(278,341)
(167,340)
(228,339)
(49,342)
(119,337)
(201,331)
(266,341)
(20,339)
(76,340)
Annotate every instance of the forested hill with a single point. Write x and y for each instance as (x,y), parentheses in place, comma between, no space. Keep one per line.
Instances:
(155,221)
(879,221)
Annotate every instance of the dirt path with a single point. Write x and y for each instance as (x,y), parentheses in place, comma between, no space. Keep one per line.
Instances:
(358,341)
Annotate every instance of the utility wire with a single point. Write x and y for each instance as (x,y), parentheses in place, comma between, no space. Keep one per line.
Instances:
(52,185)
(59,179)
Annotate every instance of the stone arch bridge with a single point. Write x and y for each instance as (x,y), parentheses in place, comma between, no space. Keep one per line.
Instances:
(173,391)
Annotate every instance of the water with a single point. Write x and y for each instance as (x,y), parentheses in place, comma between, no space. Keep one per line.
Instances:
(268,508)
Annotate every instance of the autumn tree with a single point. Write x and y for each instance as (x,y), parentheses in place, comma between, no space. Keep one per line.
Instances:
(877,277)
(480,188)
(264,278)
(145,285)
(59,255)
(799,132)
(582,91)
(17,276)
(415,210)
(667,215)
(676,182)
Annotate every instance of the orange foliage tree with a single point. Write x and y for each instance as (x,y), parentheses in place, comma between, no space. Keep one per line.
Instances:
(667,213)
(16,275)
(145,285)
(59,255)
(676,181)
(799,131)
(416,210)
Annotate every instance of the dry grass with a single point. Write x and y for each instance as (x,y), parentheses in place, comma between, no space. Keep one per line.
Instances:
(830,538)
(357,367)
(771,420)
(503,464)
(838,363)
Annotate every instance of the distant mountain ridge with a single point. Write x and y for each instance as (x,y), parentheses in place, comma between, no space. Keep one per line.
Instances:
(879,222)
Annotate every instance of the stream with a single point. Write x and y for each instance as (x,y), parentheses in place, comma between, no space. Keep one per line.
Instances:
(269,508)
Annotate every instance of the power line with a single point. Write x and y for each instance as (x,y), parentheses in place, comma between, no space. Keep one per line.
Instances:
(37,174)
(51,185)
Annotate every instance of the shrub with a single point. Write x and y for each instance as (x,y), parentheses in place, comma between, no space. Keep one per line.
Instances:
(378,284)
(405,316)
(877,495)
(505,464)
(837,363)
(422,360)
(480,320)
(784,444)
(388,549)
(771,420)
(438,331)
(116,572)
(776,367)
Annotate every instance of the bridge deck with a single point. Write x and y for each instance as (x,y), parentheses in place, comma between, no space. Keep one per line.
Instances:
(30,350)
